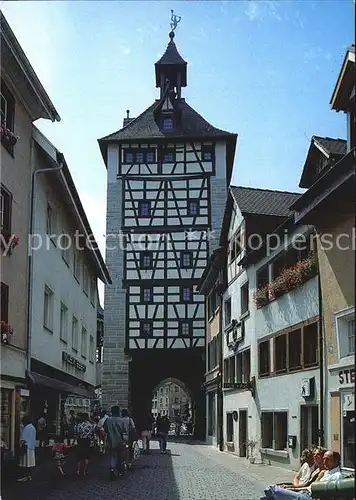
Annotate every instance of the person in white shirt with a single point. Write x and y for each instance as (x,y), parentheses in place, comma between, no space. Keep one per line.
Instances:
(102,439)
(331,461)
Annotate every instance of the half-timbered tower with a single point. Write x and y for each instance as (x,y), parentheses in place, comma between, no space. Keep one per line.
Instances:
(168,173)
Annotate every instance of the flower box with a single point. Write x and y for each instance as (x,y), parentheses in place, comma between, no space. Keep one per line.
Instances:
(6,333)
(8,138)
(289,279)
(8,241)
(261,296)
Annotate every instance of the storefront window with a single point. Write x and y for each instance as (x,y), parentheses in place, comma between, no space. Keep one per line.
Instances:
(5,422)
(348,430)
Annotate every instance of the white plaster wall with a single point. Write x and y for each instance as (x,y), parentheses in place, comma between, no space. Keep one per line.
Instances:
(50,269)
(241,400)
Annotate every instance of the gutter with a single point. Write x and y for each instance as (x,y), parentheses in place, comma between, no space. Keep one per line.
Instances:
(30,257)
(220,405)
(321,359)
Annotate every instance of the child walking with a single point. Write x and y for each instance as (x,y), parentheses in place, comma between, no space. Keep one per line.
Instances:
(60,451)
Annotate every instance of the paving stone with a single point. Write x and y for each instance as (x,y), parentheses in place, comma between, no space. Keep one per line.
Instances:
(187,472)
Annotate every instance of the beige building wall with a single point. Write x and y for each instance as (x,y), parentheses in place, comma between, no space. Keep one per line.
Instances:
(16,177)
(337,268)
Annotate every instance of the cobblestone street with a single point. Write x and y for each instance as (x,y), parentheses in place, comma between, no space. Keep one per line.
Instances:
(188,471)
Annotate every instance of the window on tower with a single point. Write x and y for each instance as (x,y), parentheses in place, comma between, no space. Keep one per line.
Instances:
(140,157)
(207,153)
(144,208)
(128,157)
(185,328)
(193,207)
(186,294)
(168,156)
(150,156)
(146,259)
(167,124)
(146,328)
(186,259)
(146,294)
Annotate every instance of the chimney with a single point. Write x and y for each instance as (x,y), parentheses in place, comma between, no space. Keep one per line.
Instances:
(127,120)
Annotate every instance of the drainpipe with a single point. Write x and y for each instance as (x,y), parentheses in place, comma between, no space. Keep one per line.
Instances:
(30,259)
(221,367)
(321,356)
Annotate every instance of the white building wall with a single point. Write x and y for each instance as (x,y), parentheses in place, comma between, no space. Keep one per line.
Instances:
(50,269)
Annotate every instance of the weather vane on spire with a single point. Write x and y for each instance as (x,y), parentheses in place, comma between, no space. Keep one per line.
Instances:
(175,20)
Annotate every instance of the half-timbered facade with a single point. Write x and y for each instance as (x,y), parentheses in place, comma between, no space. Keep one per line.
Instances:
(168,173)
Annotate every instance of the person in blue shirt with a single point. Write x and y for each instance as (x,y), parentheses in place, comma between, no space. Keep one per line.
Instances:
(27,449)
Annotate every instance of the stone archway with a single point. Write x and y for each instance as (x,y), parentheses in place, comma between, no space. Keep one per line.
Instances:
(148,368)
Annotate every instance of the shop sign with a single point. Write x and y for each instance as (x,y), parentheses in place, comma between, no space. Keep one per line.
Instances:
(73,362)
(25,393)
(349,402)
(347,377)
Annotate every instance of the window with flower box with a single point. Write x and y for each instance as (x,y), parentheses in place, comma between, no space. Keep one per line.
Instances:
(262,277)
(4,302)
(8,139)
(6,202)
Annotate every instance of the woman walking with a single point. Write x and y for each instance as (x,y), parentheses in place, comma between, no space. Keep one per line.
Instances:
(85,439)
(27,449)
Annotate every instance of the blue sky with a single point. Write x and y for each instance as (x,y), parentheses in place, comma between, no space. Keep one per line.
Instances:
(263,69)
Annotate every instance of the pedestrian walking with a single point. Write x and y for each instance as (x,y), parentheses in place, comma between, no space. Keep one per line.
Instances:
(42,431)
(102,438)
(70,426)
(85,440)
(27,449)
(114,428)
(130,436)
(60,451)
(163,425)
(146,431)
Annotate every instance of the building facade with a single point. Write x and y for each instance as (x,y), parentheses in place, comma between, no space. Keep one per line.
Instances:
(331,190)
(171,400)
(65,266)
(168,172)
(23,100)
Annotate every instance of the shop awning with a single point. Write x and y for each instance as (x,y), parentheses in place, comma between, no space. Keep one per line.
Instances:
(38,379)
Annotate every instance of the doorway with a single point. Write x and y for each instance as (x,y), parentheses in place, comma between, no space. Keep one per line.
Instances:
(309,426)
(242,432)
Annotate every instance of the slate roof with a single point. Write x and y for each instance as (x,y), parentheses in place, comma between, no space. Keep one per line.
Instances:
(332,146)
(171,55)
(145,127)
(255,201)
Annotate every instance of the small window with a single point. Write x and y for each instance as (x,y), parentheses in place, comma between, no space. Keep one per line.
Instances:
(168,124)
(49,219)
(91,349)
(146,260)
(168,156)
(207,153)
(212,303)
(244,298)
(75,334)
(146,294)
(150,156)
(48,309)
(76,264)
(235,247)
(185,329)
(140,157)
(84,346)
(294,349)
(146,328)
(262,277)
(186,259)
(310,342)
(280,353)
(85,280)
(4,302)
(128,157)
(187,294)
(63,327)
(351,336)
(264,359)
(267,429)
(6,200)
(93,291)
(144,208)
(193,207)
(7,107)
(227,312)
(280,430)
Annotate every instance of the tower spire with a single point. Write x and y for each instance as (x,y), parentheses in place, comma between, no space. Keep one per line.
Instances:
(171,69)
